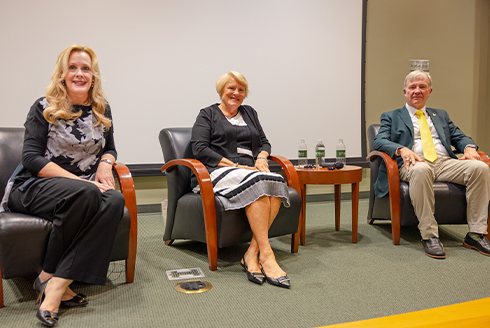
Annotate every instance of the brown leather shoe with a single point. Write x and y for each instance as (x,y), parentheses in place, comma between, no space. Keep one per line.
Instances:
(481,245)
(433,248)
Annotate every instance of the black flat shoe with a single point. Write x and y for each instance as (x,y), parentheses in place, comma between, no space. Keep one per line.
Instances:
(79,300)
(255,277)
(283,281)
(46,317)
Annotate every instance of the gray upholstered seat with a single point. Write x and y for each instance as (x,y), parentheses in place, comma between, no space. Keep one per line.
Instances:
(450,205)
(190,216)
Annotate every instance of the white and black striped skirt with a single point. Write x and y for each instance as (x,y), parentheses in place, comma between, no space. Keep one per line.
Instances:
(237,188)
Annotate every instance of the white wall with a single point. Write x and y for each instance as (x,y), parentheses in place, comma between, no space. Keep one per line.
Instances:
(160,59)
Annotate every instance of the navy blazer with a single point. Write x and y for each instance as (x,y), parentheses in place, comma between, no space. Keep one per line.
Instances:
(397,131)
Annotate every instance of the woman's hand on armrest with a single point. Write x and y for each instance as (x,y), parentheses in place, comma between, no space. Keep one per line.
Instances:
(261,163)
(53,170)
(104,172)
(103,187)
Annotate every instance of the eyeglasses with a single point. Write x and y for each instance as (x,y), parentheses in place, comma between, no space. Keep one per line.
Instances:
(310,166)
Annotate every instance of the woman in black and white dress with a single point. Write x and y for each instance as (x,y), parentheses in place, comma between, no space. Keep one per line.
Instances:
(228,139)
(67,179)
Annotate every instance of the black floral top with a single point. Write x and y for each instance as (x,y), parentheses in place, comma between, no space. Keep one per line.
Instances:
(75,146)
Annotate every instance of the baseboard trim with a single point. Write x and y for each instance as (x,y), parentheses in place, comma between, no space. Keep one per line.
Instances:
(157,208)
(149,208)
(331,197)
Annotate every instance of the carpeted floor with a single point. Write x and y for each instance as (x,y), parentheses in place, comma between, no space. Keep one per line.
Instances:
(333,280)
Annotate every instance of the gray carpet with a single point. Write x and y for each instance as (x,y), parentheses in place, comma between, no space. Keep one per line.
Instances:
(333,280)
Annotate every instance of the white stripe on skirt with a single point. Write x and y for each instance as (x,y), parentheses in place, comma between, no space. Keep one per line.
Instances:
(237,188)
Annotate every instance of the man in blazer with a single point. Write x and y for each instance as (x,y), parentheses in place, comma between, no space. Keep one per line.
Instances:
(400,137)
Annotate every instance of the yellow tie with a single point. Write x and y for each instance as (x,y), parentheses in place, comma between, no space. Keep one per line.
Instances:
(427,142)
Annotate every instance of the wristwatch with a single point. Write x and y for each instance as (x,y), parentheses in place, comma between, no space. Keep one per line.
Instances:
(108,161)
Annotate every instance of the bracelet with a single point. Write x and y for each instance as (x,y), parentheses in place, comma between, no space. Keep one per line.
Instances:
(236,164)
(108,161)
(260,157)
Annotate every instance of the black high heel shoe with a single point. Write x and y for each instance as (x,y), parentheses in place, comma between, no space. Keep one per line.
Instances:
(282,281)
(254,277)
(37,286)
(46,317)
(79,300)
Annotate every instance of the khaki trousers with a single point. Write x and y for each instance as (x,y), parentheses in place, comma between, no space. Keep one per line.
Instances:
(475,175)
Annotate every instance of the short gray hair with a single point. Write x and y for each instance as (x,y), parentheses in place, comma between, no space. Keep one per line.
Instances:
(417,75)
(222,80)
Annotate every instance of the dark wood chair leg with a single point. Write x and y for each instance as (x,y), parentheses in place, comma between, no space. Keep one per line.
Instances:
(133,232)
(395,219)
(130,264)
(126,185)
(337,192)
(488,227)
(295,242)
(131,261)
(293,182)
(212,256)
(394,191)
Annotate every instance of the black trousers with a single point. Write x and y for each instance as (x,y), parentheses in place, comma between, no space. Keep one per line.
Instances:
(85,222)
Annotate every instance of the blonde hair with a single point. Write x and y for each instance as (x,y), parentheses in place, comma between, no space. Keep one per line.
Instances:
(223,79)
(60,106)
(417,75)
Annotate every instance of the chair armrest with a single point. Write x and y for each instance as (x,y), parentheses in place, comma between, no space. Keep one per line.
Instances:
(293,182)
(126,184)
(288,167)
(394,191)
(196,166)
(208,202)
(391,168)
(484,157)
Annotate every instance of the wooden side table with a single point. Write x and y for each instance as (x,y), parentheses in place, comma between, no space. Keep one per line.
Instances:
(348,174)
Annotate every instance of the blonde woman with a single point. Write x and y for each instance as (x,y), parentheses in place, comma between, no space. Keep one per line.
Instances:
(67,179)
(229,140)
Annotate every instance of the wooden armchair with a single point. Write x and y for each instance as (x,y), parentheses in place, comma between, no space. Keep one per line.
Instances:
(23,238)
(202,217)
(450,204)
